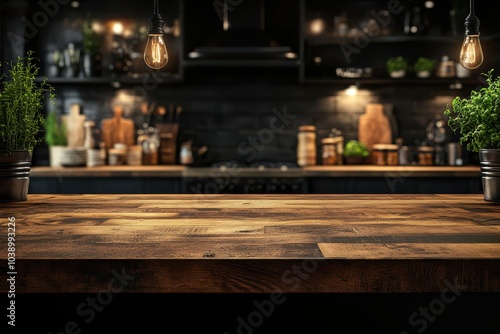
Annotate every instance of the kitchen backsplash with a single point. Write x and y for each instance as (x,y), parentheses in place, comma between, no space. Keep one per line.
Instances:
(259,122)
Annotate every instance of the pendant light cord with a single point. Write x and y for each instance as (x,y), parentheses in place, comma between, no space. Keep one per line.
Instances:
(156,22)
(471,9)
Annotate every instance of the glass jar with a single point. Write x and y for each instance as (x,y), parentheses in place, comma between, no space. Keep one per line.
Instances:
(117,156)
(392,156)
(378,153)
(426,156)
(329,151)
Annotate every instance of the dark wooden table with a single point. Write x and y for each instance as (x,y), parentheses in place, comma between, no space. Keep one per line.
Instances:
(254,243)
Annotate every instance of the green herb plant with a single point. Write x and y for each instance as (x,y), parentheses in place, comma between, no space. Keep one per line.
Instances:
(354,148)
(22,100)
(424,64)
(55,131)
(397,64)
(477,118)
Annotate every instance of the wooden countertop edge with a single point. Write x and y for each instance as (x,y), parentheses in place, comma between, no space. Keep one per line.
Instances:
(313,171)
(257,276)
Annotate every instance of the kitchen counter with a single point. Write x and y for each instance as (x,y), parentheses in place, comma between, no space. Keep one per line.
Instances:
(314,171)
(254,243)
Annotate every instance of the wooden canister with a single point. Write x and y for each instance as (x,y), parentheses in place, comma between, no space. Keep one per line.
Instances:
(306,146)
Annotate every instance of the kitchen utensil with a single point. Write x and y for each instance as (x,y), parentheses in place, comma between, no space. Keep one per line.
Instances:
(186,154)
(74,123)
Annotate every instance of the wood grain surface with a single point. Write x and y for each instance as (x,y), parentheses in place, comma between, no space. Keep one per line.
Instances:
(311,171)
(255,243)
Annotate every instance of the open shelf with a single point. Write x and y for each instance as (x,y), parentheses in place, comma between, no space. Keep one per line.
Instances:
(390,81)
(114,80)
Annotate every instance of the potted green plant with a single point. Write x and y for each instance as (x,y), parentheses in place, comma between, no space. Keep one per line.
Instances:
(397,66)
(423,67)
(355,152)
(55,138)
(477,120)
(22,100)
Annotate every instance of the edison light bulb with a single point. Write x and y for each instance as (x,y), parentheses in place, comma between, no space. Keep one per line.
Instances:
(471,54)
(156,55)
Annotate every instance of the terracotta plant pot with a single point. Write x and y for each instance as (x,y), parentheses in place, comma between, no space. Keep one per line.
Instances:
(15,170)
(489,160)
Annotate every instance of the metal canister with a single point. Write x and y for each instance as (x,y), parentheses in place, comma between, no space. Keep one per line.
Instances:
(454,154)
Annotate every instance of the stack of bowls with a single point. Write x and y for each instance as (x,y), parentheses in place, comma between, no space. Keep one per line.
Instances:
(74,157)
(96,157)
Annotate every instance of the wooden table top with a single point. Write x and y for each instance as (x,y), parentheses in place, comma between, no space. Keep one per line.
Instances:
(255,243)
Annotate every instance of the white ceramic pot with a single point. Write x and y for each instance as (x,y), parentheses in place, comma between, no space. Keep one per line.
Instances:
(424,74)
(397,74)
(56,154)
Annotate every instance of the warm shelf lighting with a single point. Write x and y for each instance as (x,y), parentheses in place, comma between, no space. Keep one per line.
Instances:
(155,54)
(471,54)
(352,90)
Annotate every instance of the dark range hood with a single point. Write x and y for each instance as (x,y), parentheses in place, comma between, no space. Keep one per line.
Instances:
(242,35)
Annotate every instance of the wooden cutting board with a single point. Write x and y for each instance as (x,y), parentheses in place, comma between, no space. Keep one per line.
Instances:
(374,127)
(118,129)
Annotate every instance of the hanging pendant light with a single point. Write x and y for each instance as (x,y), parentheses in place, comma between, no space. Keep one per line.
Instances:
(471,54)
(155,54)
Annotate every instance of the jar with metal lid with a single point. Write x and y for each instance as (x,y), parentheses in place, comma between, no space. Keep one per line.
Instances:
(329,151)
(426,156)
(385,154)
(306,147)
(134,155)
(378,154)
(117,156)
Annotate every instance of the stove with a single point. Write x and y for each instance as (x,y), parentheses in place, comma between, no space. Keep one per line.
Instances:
(255,178)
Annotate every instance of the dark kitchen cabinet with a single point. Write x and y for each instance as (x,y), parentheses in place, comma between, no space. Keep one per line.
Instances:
(102,185)
(388,185)
(254,185)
